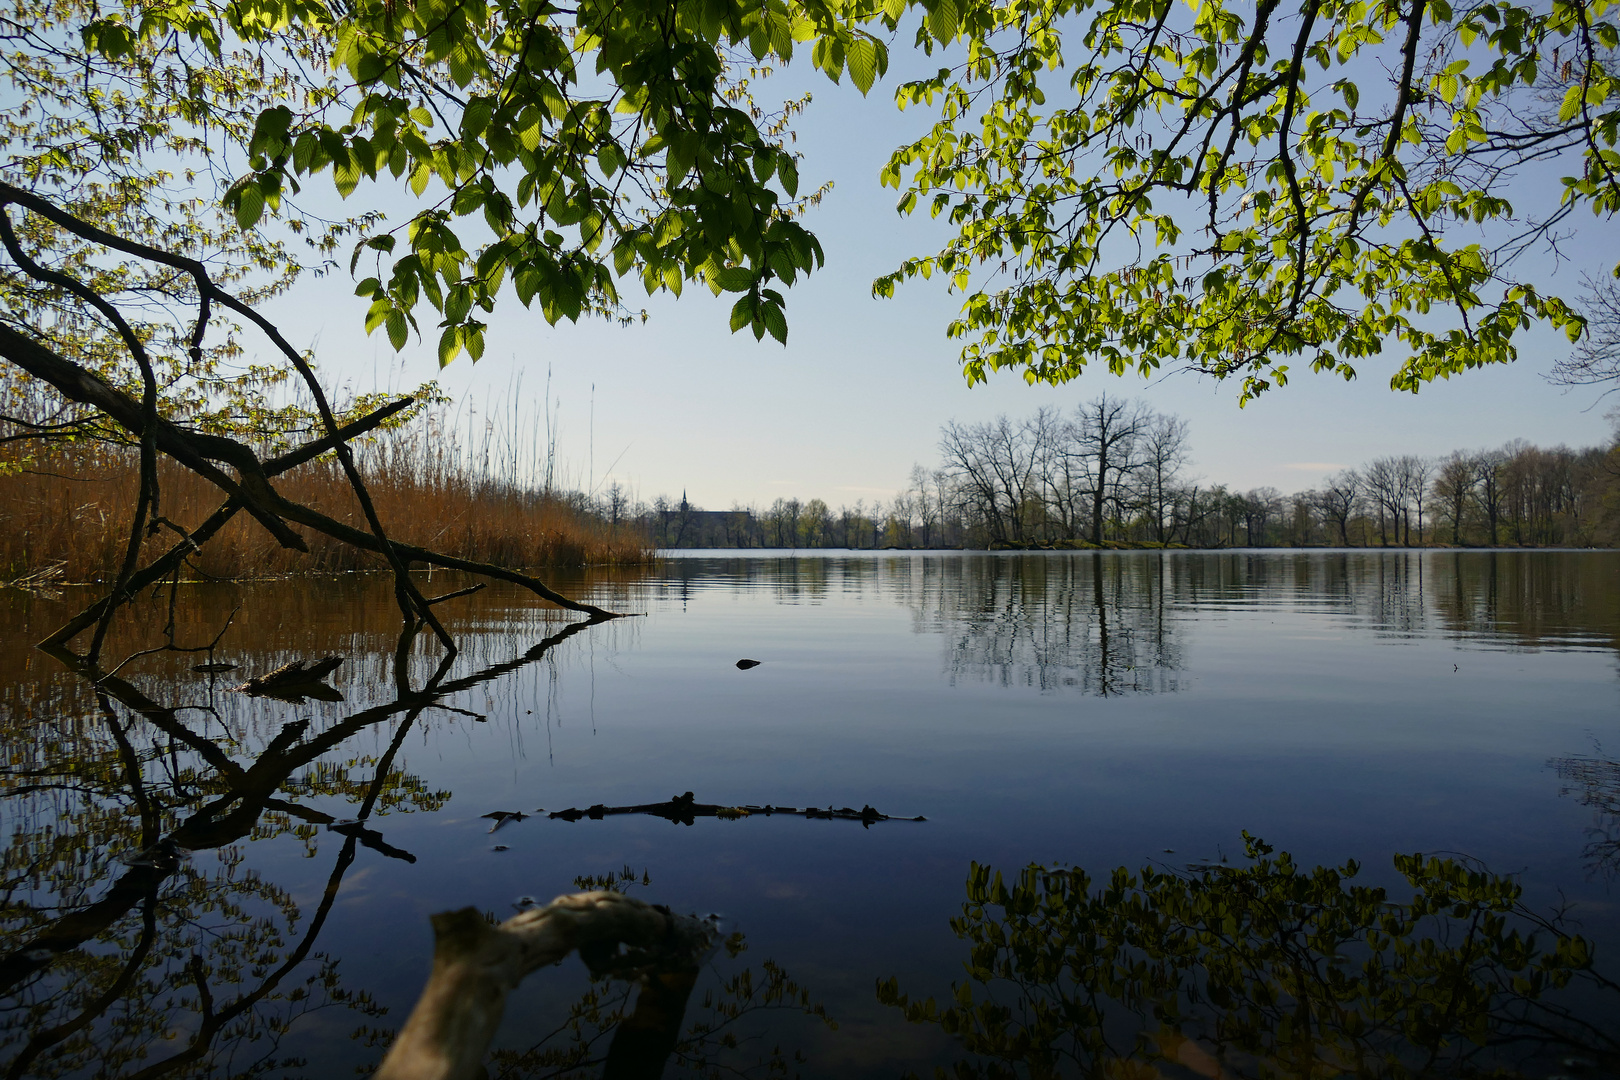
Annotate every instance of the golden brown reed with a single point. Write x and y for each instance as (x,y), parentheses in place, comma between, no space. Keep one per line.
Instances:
(65,514)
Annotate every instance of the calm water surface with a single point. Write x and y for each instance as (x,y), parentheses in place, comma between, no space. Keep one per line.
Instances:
(1084,709)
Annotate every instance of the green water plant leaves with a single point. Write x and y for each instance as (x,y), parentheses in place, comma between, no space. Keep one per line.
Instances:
(1292,971)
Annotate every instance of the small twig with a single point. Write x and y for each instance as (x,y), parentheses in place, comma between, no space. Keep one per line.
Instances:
(170,646)
(459,592)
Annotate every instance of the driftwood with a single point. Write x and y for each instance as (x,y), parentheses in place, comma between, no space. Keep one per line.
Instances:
(683,810)
(297,680)
(476,964)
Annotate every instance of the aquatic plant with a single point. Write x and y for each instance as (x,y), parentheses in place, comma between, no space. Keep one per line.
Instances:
(1264,970)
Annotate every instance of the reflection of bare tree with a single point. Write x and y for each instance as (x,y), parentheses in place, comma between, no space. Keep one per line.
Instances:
(1595,782)
(1106,622)
(793,580)
(1534,599)
(117,947)
(1096,622)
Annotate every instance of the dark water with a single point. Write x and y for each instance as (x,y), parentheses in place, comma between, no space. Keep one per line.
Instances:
(1091,710)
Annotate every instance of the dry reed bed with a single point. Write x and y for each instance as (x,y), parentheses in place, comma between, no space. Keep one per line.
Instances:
(67,514)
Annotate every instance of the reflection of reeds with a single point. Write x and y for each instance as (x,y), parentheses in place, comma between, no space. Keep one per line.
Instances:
(70,505)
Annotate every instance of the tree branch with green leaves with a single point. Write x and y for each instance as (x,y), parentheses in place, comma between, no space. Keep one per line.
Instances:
(1236,190)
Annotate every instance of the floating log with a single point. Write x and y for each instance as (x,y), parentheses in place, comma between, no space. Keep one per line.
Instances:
(684,809)
(297,680)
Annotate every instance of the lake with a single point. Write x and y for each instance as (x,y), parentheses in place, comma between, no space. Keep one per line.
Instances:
(200,882)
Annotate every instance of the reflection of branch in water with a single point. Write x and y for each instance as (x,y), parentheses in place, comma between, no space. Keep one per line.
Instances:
(1266,970)
(720,1041)
(683,810)
(50,973)
(642,1042)
(1595,782)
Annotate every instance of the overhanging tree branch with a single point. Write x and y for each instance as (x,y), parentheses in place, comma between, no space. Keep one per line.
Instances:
(202,453)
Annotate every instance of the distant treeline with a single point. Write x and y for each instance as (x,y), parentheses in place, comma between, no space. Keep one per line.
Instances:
(1116,473)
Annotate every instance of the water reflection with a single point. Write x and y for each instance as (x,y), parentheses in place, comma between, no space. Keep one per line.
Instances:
(181,963)
(135,941)
(736,1029)
(143,933)
(1594,781)
(1097,625)
(1266,970)
(1113,623)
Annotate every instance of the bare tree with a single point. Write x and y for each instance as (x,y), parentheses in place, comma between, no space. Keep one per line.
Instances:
(901,524)
(1338,498)
(615,504)
(1063,479)
(1596,360)
(926,505)
(1412,475)
(1258,507)
(1103,439)
(994,466)
(1163,453)
(1384,487)
(1300,522)
(1488,469)
(1454,489)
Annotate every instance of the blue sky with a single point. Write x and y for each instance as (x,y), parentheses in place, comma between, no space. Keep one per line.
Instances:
(860,391)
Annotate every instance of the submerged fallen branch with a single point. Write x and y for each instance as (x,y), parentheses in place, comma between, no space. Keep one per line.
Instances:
(476,964)
(299,679)
(683,810)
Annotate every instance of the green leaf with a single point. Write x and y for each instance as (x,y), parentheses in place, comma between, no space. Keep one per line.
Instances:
(624,257)
(419,178)
(775,321)
(249,204)
(863,63)
(742,312)
(449,345)
(733,279)
(346,175)
(398,329)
